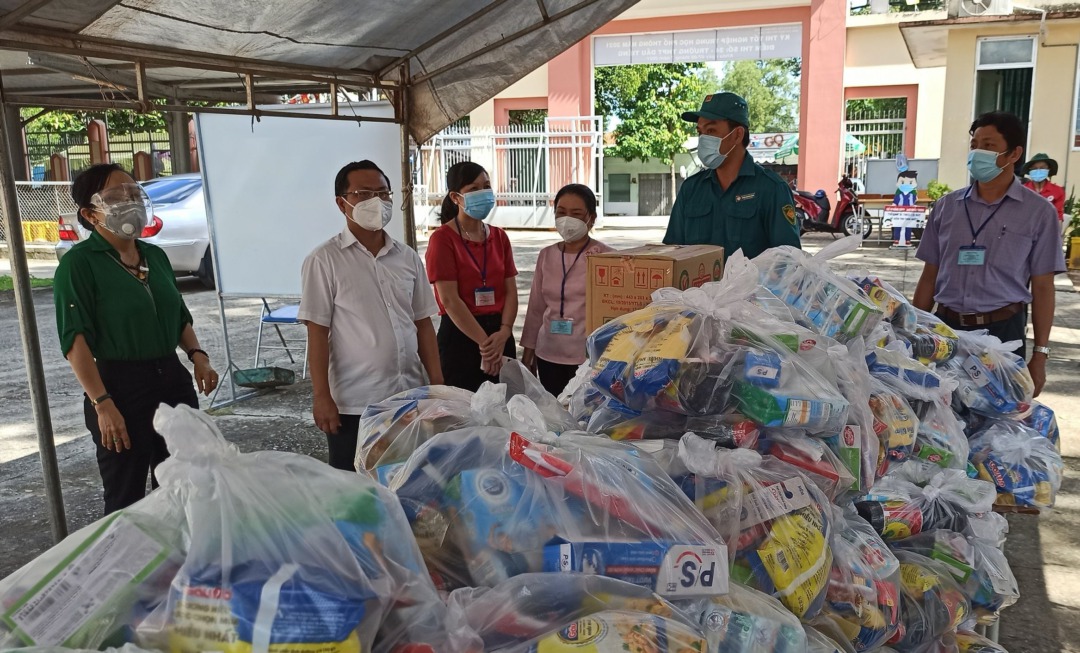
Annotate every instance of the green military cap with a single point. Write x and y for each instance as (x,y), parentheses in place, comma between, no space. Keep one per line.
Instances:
(721,106)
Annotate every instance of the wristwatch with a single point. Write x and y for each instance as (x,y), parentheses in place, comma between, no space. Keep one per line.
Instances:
(1045,351)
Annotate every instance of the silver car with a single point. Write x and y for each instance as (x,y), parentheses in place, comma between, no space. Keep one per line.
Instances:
(178,226)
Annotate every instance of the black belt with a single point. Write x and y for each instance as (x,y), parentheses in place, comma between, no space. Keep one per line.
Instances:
(980,319)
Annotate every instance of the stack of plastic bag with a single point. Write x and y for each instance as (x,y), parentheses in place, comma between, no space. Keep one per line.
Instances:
(1024,466)
(488,504)
(711,352)
(777,523)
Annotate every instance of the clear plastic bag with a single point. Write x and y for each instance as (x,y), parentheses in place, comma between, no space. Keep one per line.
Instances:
(835,306)
(710,351)
(857,444)
(1043,420)
(813,457)
(776,522)
(747,621)
(992,380)
(520,381)
(285,552)
(824,637)
(126,648)
(487,504)
(941,439)
(895,424)
(931,604)
(897,509)
(392,429)
(979,567)
(931,340)
(906,375)
(895,308)
(529,606)
(863,599)
(86,591)
(1024,466)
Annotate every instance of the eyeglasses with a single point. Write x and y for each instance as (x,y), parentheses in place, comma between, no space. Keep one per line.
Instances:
(365,195)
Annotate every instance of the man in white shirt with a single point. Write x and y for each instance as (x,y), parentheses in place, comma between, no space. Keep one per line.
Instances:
(367,305)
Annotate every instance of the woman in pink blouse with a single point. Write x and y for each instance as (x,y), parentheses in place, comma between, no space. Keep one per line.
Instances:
(554,334)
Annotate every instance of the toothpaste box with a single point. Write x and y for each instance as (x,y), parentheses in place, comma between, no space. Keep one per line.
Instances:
(670,570)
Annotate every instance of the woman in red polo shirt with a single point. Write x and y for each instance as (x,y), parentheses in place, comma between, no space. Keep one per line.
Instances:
(472,268)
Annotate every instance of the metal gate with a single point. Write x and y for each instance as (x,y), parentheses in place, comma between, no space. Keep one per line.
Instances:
(527,164)
(654,193)
(881,133)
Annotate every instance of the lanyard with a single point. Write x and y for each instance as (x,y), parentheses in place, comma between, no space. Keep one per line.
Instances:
(975,233)
(566,273)
(482,270)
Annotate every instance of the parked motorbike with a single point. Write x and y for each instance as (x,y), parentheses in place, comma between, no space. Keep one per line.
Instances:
(814,212)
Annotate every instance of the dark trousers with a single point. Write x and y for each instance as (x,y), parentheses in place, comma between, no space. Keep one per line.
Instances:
(1014,328)
(554,376)
(461,356)
(137,389)
(341,446)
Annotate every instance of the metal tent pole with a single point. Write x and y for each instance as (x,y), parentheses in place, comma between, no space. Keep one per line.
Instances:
(408,212)
(31,344)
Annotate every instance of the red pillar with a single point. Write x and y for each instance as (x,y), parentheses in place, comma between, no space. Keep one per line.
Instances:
(193,147)
(58,168)
(98,136)
(821,127)
(142,167)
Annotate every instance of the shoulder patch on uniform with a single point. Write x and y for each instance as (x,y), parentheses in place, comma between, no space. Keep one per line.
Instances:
(789,213)
(745,196)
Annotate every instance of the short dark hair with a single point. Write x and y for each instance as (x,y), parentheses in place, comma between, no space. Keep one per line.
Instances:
(582,191)
(746,131)
(341,181)
(1008,125)
(908,174)
(459,175)
(88,183)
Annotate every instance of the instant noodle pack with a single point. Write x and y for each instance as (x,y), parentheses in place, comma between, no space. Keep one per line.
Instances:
(786,460)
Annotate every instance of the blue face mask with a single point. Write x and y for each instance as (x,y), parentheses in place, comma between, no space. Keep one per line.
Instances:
(1038,174)
(708,150)
(982,164)
(478,203)
(906,188)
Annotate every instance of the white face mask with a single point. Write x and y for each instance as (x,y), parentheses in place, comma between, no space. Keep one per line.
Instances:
(571,229)
(372,214)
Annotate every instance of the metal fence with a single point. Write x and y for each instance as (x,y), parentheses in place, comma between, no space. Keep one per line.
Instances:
(40,206)
(40,145)
(881,132)
(528,164)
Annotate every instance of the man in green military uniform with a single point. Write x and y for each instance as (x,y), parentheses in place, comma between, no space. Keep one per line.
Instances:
(733,202)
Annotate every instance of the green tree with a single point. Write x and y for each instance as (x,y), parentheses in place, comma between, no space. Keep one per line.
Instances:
(771,92)
(648,101)
(877,108)
(74,122)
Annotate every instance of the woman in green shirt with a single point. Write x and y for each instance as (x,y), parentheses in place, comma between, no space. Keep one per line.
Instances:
(120,318)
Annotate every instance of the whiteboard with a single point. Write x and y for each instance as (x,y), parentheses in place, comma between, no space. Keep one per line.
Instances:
(269,189)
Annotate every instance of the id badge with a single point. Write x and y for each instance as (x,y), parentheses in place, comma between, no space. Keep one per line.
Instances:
(562,327)
(485,296)
(973,255)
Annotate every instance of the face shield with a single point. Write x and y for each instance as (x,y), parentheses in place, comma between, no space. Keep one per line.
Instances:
(127,209)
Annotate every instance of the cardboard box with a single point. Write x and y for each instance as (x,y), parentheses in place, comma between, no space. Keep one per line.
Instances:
(624,281)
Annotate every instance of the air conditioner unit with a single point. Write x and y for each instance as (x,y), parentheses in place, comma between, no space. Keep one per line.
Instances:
(969,8)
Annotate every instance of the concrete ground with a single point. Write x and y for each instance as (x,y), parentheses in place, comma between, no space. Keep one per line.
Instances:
(1044,551)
